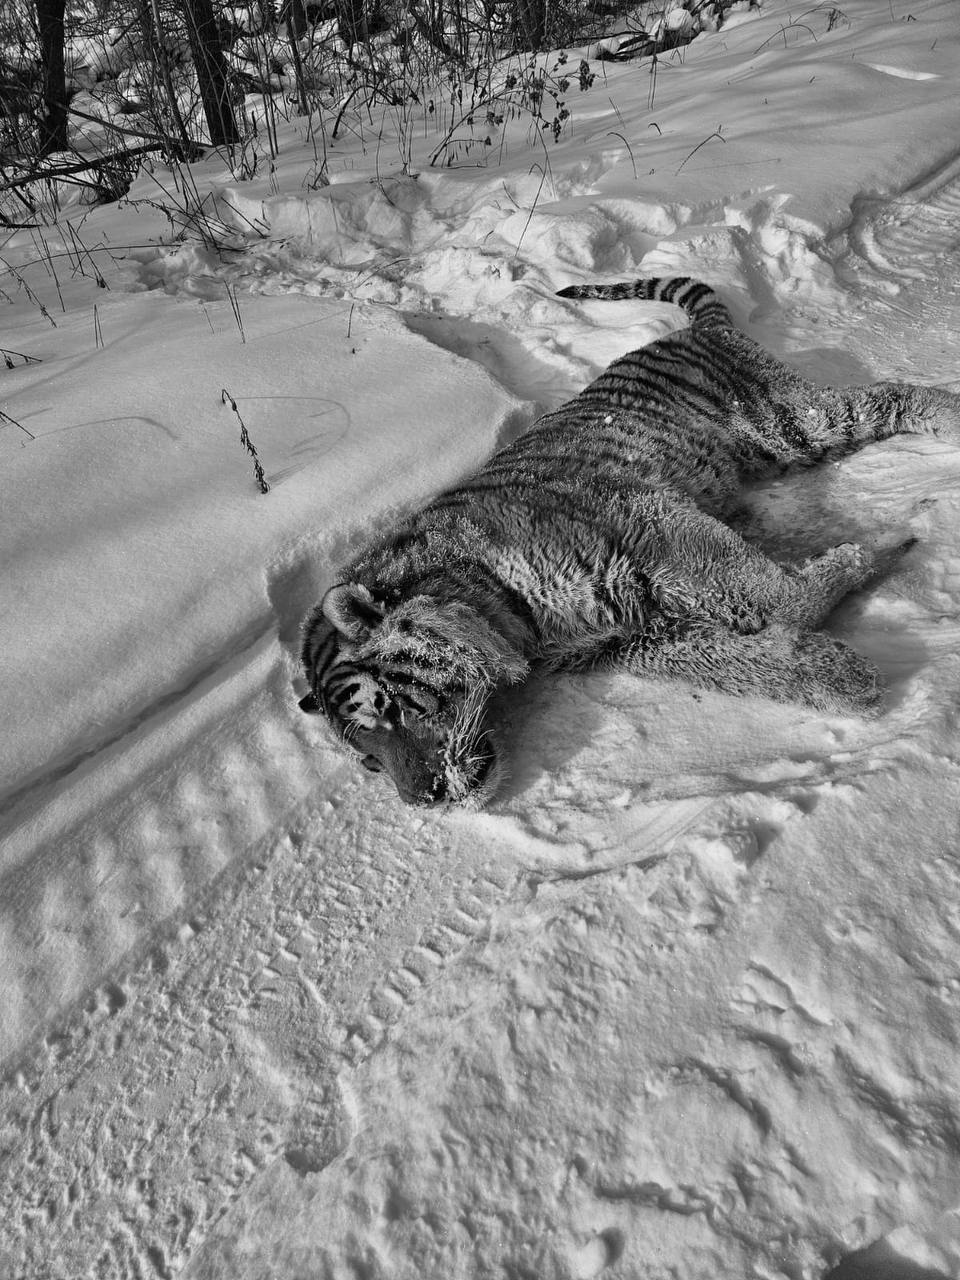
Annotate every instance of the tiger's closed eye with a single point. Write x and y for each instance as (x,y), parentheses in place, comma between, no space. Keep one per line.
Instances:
(372,764)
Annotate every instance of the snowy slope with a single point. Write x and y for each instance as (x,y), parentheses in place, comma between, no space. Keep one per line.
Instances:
(684,1002)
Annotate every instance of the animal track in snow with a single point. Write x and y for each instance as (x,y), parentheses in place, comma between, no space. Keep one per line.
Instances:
(764,990)
(714,863)
(600,1251)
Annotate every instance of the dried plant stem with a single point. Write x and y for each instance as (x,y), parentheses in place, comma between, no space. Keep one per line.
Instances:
(80,249)
(613,133)
(9,358)
(716,134)
(235,307)
(245,440)
(544,170)
(5,417)
(28,291)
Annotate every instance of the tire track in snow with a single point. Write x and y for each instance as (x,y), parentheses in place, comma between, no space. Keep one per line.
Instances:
(898,259)
(138,1119)
(20,804)
(909,234)
(137,1122)
(503,900)
(140,831)
(464,921)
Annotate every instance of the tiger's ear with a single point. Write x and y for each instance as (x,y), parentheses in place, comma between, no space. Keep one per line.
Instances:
(351,608)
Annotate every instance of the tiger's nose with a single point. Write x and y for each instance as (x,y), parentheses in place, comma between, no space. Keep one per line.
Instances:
(431,792)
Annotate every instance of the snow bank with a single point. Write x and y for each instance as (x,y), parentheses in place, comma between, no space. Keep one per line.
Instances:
(143,559)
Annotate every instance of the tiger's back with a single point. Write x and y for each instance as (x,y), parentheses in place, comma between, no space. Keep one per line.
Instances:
(704,410)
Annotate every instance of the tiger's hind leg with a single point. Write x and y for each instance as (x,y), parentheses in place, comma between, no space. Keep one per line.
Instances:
(700,569)
(779,662)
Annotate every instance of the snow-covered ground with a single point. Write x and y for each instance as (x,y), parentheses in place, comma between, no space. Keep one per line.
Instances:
(685,1002)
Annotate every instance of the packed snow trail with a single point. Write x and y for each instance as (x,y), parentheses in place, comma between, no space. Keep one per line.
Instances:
(898,258)
(141,665)
(910,234)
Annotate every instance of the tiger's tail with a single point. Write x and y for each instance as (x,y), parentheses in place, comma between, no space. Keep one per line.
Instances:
(698,300)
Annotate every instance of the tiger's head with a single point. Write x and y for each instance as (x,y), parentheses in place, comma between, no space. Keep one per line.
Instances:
(405,684)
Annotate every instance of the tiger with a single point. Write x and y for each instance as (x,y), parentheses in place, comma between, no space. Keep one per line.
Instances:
(600,540)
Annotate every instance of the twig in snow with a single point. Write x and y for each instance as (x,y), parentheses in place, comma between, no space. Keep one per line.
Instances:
(13,422)
(544,170)
(28,291)
(716,134)
(46,258)
(612,133)
(246,441)
(80,249)
(8,357)
(784,28)
(235,305)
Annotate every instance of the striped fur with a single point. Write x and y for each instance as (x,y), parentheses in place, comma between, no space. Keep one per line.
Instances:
(597,540)
(703,307)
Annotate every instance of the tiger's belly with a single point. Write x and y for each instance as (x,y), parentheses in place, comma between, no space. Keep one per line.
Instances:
(577,597)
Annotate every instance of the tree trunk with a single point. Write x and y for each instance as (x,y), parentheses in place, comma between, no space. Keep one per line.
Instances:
(352,22)
(155,53)
(211,71)
(295,15)
(53,126)
(530,24)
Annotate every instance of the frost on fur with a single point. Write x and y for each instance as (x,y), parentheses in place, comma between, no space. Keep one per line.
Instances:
(473,766)
(599,539)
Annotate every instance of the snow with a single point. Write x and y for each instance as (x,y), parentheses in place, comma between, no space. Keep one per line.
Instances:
(683,1002)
